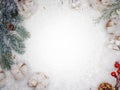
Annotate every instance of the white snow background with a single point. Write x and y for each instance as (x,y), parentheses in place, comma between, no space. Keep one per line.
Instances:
(69,47)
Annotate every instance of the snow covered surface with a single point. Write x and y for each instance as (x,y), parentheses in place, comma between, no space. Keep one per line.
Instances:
(68,46)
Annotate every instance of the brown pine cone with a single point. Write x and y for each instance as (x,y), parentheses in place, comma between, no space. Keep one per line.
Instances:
(105,86)
(10,27)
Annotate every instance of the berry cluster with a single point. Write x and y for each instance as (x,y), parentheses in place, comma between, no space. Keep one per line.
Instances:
(116,74)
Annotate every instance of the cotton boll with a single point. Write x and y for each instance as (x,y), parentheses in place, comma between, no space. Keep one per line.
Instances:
(29,2)
(117,42)
(111,30)
(114,43)
(32,83)
(96,5)
(117,38)
(106,2)
(114,47)
(2,74)
(2,78)
(112,26)
(100,8)
(3,83)
(76,5)
(100,5)
(73,5)
(112,22)
(23,67)
(26,7)
(41,76)
(16,72)
(38,81)
(40,87)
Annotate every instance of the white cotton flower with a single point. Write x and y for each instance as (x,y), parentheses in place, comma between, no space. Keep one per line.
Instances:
(32,83)
(117,43)
(106,2)
(26,7)
(16,72)
(38,81)
(112,41)
(3,78)
(114,47)
(100,5)
(2,75)
(112,26)
(19,70)
(115,21)
(76,5)
(73,5)
(23,67)
(40,87)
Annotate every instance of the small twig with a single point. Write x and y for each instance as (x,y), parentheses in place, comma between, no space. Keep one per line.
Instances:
(116,88)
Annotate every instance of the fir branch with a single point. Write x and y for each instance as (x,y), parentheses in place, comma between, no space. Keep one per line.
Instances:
(22,32)
(6,55)
(19,18)
(112,10)
(16,44)
(12,33)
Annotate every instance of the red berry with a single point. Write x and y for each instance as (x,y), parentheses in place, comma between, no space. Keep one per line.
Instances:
(118,71)
(113,74)
(117,65)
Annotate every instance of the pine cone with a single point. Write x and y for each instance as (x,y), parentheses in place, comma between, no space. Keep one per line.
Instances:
(105,86)
(10,27)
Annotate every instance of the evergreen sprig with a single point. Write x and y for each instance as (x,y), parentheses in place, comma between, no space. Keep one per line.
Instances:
(112,10)
(12,33)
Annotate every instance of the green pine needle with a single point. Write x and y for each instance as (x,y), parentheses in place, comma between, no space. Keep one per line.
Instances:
(22,32)
(12,33)
(112,10)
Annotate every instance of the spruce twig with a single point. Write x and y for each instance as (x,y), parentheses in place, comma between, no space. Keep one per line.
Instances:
(112,10)
(12,33)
